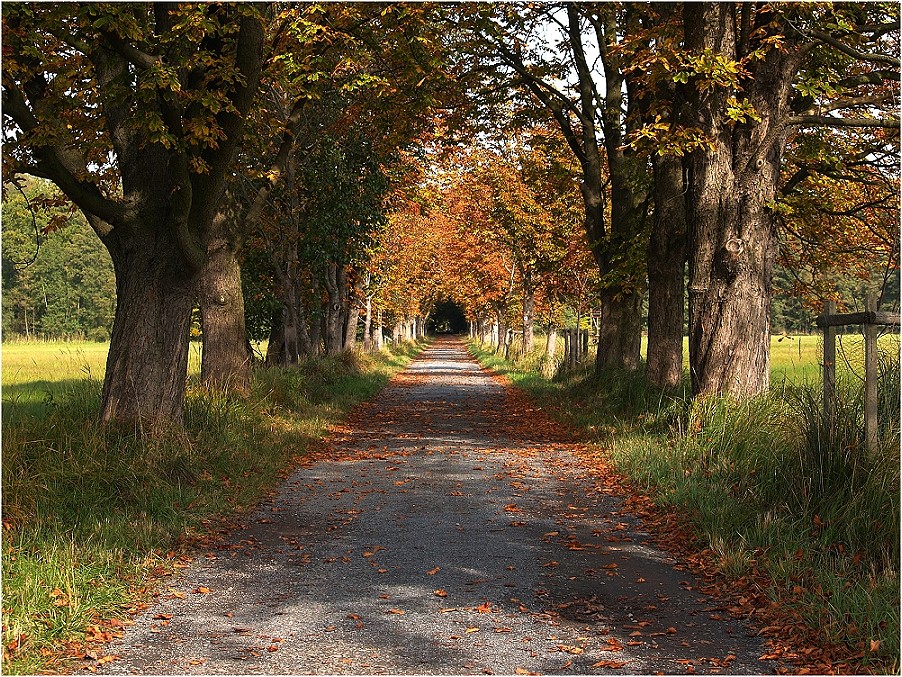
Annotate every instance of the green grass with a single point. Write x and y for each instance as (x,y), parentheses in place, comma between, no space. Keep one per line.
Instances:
(765,482)
(91,513)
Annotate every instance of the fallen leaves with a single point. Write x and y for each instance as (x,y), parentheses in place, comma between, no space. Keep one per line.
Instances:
(613,665)
(60,598)
(575,650)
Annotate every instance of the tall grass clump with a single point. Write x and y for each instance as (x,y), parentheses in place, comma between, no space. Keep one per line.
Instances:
(92,512)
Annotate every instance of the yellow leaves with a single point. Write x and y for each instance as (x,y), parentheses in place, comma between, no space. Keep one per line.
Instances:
(433,572)
(441,592)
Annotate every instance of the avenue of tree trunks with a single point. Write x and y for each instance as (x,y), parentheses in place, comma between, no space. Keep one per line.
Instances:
(314,175)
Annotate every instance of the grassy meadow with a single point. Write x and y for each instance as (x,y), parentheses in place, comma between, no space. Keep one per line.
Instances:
(768,485)
(93,514)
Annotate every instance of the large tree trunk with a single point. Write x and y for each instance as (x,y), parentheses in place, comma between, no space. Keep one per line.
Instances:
(666,271)
(316,316)
(501,324)
(620,333)
(147,363)
(275,346)
(368,324)
(336,288)
(353,300)
(732,241)
(378,336)
(225,362)
(350,328)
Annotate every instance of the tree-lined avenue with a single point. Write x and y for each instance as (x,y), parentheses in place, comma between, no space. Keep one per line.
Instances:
(443,530)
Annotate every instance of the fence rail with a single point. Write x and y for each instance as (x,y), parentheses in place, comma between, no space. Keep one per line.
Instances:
(869,320)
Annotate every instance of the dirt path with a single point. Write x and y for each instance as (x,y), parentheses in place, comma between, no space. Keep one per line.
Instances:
(443,531)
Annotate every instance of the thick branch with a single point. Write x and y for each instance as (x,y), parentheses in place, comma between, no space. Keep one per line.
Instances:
(548,90)
(132,54)
(852,102)
(62,164)
(277,168)
(872,78)
(851,51)
(827,121)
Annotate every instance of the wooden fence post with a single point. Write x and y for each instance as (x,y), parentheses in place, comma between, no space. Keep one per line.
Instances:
(574,348)
(829,365)
(565,363)
(870,375)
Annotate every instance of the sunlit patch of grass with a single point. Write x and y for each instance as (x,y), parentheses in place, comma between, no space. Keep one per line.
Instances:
(90,511)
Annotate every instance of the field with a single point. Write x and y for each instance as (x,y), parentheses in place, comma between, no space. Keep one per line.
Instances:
(34,370)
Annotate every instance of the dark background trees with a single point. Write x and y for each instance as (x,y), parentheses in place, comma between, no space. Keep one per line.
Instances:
(58,281)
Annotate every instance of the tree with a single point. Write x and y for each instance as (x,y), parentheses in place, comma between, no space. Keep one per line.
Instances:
(134,111)
(741,68)
(594,125)
(838,213)
(357,83)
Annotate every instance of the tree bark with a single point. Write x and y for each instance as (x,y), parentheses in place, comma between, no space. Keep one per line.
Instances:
(620,335)
(350,328)
(666,275)
(336,288)
(378,338)
(548,367)
(368,324)
(501,324)
(316,316)
(275,346)
(225,362)
(731,227)
(529,314)
(147,363)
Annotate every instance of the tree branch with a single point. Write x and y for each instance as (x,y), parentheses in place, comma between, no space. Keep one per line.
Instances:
(130,53)
(62,164)
(823,36)
(277,168)
(827,121)
(872,78)
(851,102)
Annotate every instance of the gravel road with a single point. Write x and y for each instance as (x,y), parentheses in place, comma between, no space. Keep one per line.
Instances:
(443,530)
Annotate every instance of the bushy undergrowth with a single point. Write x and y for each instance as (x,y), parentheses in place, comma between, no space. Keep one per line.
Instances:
(767,482)
(90,511)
